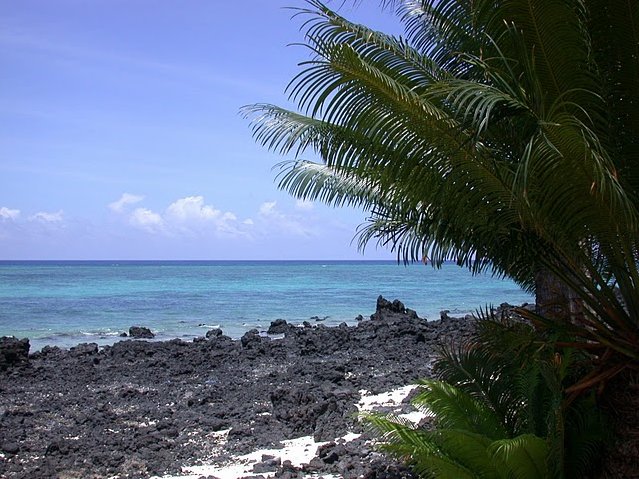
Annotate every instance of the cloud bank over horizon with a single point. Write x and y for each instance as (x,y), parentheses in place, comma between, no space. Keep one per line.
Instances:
(189,227)
(191,216)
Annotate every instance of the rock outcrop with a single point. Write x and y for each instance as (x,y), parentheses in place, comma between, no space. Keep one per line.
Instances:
(144,408)
(13,351)
(140,332)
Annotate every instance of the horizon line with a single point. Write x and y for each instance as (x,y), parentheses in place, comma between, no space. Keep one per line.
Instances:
(193,260)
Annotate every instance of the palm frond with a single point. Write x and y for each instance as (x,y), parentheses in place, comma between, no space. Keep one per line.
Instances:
(455,409)
(444,453)
(481,374)
(524,456)
(467,450)
(317,182)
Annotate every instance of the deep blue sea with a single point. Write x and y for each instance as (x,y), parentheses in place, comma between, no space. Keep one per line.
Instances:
(64,303)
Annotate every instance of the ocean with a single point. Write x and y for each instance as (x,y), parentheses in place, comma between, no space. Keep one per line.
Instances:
(63,303)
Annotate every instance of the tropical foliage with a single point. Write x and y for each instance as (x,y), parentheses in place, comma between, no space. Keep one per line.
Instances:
(501,134)
(498,411)
(504,135)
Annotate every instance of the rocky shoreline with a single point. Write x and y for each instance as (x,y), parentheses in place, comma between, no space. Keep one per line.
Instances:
(139,409)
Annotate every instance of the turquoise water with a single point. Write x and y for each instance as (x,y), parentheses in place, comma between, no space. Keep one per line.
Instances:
(64,303)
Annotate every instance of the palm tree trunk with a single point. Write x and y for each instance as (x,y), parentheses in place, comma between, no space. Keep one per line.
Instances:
(555,299)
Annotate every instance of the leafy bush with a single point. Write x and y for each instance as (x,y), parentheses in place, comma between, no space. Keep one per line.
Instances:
(499,410)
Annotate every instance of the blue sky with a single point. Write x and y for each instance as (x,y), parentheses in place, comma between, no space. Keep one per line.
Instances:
(121,138)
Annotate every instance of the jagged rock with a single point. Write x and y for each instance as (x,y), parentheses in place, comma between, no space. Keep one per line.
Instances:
(10,448)
(386,310)
(267,464)
(214,333)
(279,326)
(395,307)
(84,349)
(50,353)
(13,351)
(329,453)
(251,339)
(140,332)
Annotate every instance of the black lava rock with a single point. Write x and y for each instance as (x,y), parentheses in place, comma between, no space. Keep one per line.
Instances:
(214,333)
(388,310)
(139,409)
(13,351)
(140,332)
(251,339)
(84,349)
(279,326)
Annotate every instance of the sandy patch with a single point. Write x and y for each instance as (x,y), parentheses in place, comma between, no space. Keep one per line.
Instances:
(390,399)
(301,450)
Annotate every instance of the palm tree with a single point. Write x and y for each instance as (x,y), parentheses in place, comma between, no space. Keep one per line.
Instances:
(502,134)
(489,137)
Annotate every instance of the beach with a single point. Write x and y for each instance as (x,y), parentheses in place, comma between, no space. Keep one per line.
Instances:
(140,409)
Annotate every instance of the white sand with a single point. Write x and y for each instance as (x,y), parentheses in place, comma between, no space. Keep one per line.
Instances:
(299,451)
(392,398)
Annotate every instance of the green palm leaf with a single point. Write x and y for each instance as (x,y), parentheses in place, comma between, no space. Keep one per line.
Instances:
(523,456)
(445,453)
(455,409)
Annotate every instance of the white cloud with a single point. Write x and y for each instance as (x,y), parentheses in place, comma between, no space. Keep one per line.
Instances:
(192,215)
(192,208)
(189,216)
(276,220)
(8,213)
(125,199)
(46,217)
(147,220)
(268,208)
(304,205)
